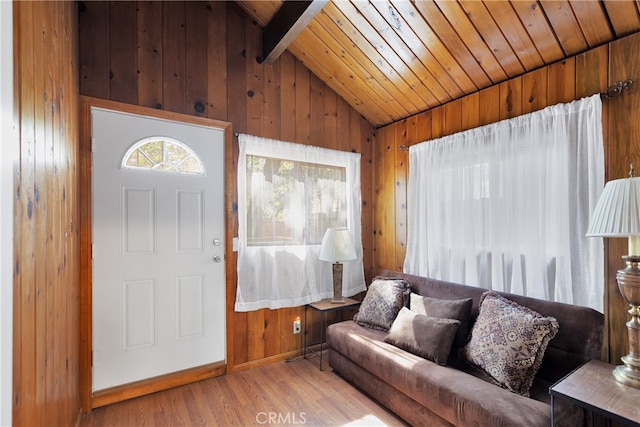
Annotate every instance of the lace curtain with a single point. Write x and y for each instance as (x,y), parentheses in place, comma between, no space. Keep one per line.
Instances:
(288,195)
(506,206)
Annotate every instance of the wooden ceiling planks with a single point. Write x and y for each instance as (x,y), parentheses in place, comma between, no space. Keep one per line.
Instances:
(593,21)
(425,16)
(505,17)
(565,25)
(375,76)
(624,16)
(492,35)
(482,53)
(541,33)
(387,93)
(392,59)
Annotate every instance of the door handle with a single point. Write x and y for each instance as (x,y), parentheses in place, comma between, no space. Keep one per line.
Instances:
(217,258)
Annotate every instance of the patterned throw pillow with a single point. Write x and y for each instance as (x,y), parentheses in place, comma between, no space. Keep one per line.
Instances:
(508,342)
(380,306)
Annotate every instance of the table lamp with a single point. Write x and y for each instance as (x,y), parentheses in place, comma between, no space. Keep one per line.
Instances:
(617,214)
(337,247)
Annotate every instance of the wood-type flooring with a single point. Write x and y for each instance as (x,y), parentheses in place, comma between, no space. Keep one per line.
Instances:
(294,393)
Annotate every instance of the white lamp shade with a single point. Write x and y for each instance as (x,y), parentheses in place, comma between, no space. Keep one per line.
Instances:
(337,246)
(617,213)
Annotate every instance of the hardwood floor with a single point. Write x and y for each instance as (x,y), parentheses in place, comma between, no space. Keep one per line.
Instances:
(284,393)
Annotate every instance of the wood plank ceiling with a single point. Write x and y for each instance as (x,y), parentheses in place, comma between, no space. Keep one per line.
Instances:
(392,59)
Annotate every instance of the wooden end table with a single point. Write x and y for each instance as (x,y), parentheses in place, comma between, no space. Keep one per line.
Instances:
(592,386)
(323,307)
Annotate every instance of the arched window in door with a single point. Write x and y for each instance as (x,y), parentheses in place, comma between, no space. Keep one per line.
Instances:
(162,154)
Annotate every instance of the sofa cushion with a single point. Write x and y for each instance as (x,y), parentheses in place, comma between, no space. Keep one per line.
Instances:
(428,337)
(578,340)
(458,309)
(380,306)
(508,342)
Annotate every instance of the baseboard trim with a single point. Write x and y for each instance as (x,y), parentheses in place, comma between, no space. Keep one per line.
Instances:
(265,361)
(155,384)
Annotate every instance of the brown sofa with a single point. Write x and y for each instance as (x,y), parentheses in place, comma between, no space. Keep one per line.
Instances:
(425,393)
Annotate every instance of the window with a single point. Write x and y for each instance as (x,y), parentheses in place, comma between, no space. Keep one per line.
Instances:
(293,203)
(162,154)
(288,195)
(506,206)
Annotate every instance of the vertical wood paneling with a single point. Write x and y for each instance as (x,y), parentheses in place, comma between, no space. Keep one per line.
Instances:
(39,218)
(217,59)
(47,196)
(623,148)
(94,42)
(438,123)
(424,131)
(303,104)
(592,70)
(534,90)
(288,97)
(511,98)
(46,281)
(271,122)
(400,190)
(173,55)
(316,116)
(195,58)
(561,81)
(149,57)
(210,52)
(236,87)
(564,81)
(471,111)
(255,79)
(452,120)
(26,388)
(122,67)
(384,198)
(490,105)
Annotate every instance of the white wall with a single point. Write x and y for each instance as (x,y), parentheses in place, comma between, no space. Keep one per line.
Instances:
(8,157)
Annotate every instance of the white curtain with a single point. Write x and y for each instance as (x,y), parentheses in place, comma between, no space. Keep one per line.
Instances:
(288,195)
(506,206)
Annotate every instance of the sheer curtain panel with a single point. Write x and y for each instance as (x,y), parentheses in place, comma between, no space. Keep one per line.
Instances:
(506,206)
(288,195)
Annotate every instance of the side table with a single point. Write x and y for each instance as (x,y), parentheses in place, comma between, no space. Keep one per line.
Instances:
(592,386)
(323,307)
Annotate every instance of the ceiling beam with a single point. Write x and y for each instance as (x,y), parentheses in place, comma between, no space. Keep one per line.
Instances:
(286,24)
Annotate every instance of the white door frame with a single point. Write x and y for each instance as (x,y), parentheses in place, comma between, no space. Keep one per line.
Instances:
(90,400)
(9,157)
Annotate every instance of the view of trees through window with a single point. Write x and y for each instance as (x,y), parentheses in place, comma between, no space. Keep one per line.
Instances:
(162,154)
(293,203)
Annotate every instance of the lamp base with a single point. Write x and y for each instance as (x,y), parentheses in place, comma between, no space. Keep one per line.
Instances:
(627,374)
(337,284)
(629,286)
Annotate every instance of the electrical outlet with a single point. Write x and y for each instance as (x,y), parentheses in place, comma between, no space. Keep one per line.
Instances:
(296,326)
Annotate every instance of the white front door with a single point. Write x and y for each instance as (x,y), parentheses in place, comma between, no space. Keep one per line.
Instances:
(158,247)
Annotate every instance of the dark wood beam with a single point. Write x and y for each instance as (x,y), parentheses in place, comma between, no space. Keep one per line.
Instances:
(285,26)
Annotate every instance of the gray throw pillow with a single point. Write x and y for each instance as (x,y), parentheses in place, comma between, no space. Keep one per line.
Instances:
(380,306)
(459,309)
(427,337)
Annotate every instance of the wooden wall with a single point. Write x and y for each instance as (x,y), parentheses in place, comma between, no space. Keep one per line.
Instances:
(46,275)
(203,58)
(574,78)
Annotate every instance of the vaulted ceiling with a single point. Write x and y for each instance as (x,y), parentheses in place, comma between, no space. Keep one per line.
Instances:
(392,59)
